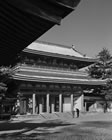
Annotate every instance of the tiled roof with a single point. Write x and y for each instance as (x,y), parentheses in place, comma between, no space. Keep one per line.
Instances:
(53,48)
(56,49)
(41,75)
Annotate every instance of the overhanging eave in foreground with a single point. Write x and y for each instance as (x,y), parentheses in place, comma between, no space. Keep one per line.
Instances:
(23,21)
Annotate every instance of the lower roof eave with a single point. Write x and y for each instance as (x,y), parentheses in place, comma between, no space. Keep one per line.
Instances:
(61,80)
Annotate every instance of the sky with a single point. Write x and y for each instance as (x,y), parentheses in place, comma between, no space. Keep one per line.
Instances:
(88,28)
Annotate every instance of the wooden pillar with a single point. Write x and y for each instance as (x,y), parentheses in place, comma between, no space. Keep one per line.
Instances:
(52,104)
(40,105)
(47,102)
(34,103)
(95,106)
(60,102)
(82,102)
(24,106)
(21,106)
(72,103)
(85,106)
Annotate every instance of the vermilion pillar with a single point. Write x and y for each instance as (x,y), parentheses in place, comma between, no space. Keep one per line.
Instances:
(60,102)
(47,103)
(40,105)
(82,102)
(52,105)
(72,105)
(34,103)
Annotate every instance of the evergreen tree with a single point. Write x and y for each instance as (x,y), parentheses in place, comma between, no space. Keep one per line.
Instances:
(102,69)
(5,75)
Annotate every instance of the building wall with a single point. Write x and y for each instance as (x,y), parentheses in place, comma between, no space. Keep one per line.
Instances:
(78,103)
(67,104)
(110,108)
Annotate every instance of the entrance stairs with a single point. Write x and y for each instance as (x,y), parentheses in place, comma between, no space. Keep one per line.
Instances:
(43,116)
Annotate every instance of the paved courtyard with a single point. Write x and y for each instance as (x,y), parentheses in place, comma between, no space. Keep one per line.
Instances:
(94,126)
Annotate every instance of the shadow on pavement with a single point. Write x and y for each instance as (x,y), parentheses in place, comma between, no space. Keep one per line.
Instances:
(99,124)
(19,128)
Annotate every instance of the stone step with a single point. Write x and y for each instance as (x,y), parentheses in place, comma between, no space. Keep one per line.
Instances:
(45,116)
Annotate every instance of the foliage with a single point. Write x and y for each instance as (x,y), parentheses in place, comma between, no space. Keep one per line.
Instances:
(107,90)
(103,69)
(5,74)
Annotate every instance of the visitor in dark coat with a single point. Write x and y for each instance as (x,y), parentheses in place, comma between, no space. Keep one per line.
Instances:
(77,112)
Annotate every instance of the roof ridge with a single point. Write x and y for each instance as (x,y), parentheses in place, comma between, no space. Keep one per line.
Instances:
(51,43)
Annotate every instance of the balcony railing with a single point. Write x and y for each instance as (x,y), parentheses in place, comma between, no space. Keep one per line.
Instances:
(52,69)
(55,67)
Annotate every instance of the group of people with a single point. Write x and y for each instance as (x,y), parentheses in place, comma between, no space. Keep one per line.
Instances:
(75,113)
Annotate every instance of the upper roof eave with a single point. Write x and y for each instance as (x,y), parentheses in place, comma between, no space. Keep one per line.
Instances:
(91,60)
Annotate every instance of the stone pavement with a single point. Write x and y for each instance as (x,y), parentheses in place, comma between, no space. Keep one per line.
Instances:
(29,126)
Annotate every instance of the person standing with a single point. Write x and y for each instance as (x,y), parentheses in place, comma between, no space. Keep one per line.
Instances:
(77,112)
